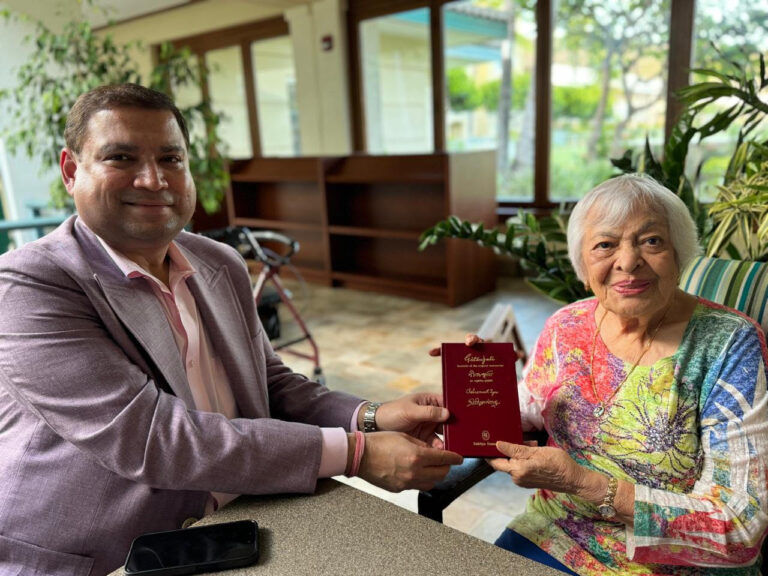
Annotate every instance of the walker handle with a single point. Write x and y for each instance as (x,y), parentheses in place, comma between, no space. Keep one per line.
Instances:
(267,256)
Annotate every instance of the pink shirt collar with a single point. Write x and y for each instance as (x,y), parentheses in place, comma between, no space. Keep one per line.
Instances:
(181,268)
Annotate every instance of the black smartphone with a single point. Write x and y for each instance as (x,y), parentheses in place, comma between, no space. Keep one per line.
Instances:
(194,550)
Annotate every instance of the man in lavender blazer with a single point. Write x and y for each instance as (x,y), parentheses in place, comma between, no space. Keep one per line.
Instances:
(100,438)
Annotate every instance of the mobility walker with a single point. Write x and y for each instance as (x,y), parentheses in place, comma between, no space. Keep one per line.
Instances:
(253,245)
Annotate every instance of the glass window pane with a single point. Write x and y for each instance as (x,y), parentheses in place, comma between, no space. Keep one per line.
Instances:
(397,83)
(609,77)
(275,77)
(480,66)
(189,95)
(739,30)
(226,84)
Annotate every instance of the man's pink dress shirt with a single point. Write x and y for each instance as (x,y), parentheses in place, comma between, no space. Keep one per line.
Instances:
(207,378)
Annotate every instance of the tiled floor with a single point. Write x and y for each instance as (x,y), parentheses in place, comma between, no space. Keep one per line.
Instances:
(376,346)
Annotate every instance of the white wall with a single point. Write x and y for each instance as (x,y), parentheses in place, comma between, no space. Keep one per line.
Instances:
(333,109)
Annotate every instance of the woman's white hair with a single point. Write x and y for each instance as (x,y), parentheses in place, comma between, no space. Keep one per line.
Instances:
(618,199)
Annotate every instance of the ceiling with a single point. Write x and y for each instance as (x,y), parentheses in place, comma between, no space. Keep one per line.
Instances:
(116,11)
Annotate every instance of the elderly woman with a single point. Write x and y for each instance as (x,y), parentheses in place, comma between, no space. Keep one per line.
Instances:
(655,405)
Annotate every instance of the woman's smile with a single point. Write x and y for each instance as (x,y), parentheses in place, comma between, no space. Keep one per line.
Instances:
(632,287)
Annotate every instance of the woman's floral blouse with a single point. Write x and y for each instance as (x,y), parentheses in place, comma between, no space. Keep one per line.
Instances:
(691,432)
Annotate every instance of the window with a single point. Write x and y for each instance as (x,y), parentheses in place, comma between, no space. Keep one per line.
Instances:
(397,83)
(608,80)
(739,30)
(275,77)
(251,83)
(226,86)
(490,52)
(598,83)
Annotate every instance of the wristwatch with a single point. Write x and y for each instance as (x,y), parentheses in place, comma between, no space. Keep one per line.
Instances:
(606,509)
(369,417)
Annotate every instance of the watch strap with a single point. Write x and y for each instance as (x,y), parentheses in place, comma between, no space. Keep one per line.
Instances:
(606,508)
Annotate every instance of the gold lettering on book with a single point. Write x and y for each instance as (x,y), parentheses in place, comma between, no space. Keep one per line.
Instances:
(477,391)
(481,391)
(479,359)
(477,402)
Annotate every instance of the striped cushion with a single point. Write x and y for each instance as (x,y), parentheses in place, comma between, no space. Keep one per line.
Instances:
(740,285)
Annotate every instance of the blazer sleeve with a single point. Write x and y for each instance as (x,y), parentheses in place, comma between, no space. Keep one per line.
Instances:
(59,361)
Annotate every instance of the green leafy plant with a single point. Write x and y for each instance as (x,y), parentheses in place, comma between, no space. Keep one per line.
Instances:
(740,213)
(206,148)
(670,169)
(490,92)
(462,92)
(538,243)
(62,66)
(69,62)
(723,99)
(740,210)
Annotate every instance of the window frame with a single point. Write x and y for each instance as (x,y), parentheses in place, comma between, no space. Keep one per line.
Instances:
(242,35)
(682,14)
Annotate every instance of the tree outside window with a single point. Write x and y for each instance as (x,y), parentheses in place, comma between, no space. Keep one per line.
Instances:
(489,66)
(609,83)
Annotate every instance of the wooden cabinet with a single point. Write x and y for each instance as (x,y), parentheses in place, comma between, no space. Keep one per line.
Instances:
(358,219)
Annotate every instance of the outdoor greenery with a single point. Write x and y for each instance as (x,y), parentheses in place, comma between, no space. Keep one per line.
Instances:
(625,42)
(567,101)
(68,62)
(463,94)
(735,225)
(608,85)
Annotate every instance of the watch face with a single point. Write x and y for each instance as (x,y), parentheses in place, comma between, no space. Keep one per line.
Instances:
(606,511)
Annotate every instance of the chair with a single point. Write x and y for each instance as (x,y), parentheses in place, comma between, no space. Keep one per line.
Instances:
(735,283)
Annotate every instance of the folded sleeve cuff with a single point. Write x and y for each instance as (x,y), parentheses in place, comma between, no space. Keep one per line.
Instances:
(333,460)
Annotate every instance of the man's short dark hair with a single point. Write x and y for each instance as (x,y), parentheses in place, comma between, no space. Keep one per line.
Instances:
(115,96)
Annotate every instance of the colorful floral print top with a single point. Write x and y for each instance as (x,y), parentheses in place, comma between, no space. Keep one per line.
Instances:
(691,432)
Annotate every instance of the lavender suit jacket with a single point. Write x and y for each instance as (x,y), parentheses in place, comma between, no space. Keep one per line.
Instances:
(99,438)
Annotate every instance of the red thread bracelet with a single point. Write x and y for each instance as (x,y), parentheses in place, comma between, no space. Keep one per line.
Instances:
(359,448)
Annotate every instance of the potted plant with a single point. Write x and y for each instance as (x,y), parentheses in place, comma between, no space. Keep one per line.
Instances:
(740,211)
(538,243)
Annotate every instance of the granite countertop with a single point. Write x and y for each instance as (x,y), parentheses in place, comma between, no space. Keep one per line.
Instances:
(341,530)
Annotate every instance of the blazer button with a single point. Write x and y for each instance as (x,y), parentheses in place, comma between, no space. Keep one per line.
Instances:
(189,521)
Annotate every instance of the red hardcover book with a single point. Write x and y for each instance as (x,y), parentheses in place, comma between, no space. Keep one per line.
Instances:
(480,391)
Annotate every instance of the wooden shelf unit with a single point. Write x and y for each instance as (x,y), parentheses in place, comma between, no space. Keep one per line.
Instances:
(285,195)
(358,219)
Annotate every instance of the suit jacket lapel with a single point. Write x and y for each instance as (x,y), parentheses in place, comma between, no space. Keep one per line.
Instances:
(137,307)
(224,321)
